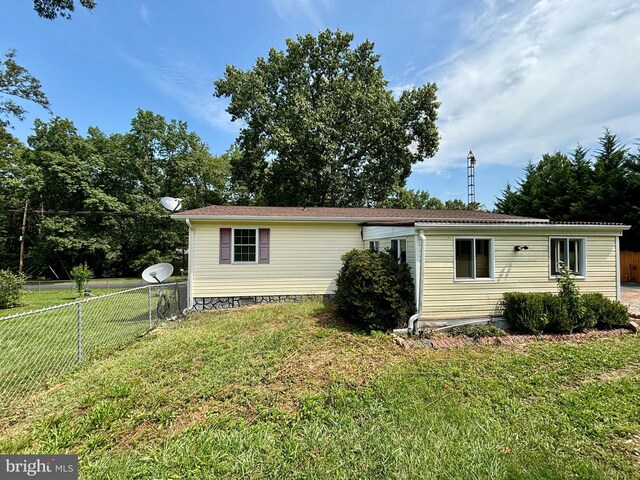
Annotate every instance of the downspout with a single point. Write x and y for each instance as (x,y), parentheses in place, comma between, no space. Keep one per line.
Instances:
(420,286)
(190,266)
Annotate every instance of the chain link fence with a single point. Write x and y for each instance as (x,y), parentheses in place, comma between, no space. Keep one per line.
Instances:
(37,347)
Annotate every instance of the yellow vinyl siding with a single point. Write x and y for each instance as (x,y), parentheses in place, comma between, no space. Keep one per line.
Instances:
(304,258)
(445,297)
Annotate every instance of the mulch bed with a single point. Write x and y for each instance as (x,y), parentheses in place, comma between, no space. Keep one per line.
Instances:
(454,342)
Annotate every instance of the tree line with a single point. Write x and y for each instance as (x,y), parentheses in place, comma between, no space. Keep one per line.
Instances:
(603,187)
(94,198)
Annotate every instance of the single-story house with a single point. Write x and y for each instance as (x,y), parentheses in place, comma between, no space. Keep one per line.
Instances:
(461,261)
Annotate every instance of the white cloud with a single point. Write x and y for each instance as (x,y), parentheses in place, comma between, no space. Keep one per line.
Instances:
(293,9)
(188,82)
(536,77)
(144,13)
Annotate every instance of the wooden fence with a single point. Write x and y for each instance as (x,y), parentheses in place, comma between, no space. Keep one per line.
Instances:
(629,266)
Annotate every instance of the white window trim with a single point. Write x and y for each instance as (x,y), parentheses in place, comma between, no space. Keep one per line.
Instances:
(583,256)
(491,276)
(377,245)
(399,256)
(233,246)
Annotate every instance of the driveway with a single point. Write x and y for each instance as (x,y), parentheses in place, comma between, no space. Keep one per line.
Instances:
(630,295)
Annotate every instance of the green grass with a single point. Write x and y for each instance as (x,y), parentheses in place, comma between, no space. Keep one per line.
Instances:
(36,349)
(287,391)
(48,298)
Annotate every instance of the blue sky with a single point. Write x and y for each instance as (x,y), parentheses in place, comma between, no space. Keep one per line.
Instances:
(516,79)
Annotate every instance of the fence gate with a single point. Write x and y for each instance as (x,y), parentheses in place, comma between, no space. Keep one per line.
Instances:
(629,266)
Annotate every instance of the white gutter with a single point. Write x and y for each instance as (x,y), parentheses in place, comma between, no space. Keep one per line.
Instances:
(190,266)
(526,226)
(420,286)
(416,266)
(618,272)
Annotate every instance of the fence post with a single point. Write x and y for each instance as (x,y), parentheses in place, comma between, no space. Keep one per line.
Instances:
(79,332)
(149,305)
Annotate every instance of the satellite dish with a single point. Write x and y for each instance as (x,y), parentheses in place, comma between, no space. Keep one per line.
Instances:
(171,204)
(157,273)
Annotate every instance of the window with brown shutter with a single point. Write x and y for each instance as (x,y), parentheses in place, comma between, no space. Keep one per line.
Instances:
(244,245)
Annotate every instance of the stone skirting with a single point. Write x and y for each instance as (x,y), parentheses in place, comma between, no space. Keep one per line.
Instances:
(224,303)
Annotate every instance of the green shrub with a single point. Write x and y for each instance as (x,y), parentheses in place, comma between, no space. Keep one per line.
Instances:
(10,288)
(607,313)
(81,274)
(476,331)
(556,313)
(525,311)
(374,291)
(578,316)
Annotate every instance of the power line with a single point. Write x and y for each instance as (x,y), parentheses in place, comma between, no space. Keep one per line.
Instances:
(89,212)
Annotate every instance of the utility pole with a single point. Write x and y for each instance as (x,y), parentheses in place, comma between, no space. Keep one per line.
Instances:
(24,229)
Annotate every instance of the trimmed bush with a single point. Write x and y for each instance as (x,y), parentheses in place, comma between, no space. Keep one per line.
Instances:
(564,313)
(525,311)
(374,291)
(10,288)
(556,313)
(607,313)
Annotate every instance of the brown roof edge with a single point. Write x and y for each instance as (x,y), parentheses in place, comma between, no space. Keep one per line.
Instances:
(365,214)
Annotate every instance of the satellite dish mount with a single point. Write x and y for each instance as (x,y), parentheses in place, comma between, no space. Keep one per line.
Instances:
(157,273)
(171,204)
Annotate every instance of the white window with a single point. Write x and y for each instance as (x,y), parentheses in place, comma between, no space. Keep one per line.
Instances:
(398,249)
(374,245)
(244,245)
(569,252)
(474,258)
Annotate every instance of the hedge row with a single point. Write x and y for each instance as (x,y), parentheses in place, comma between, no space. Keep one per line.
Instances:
(546,312)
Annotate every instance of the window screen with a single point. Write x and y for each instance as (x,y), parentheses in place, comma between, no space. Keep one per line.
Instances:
(244,245)
(569,252)
(473,258)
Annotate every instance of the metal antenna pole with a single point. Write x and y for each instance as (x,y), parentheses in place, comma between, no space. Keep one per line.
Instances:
(471,180)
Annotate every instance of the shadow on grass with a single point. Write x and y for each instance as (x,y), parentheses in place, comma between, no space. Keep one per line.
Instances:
(327,316)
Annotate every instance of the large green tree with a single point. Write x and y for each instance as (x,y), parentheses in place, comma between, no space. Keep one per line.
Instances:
(573,187)
(17,84)
(420,199)
(320,126)
(95,198)
(51,9)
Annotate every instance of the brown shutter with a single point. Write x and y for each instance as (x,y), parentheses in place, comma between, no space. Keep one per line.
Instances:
(225,245)
(263,244)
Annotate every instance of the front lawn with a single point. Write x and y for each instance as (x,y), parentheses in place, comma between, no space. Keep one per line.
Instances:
(288,391)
